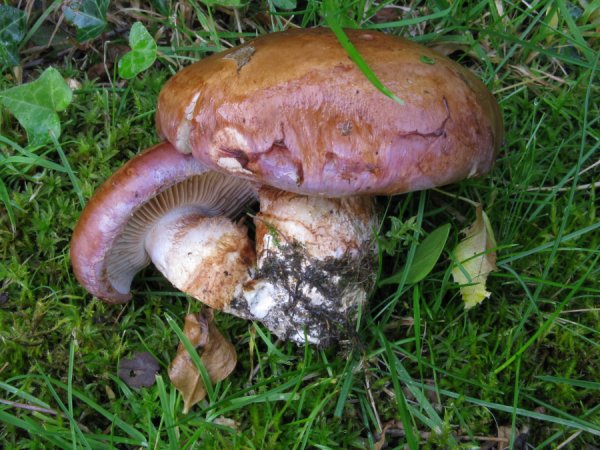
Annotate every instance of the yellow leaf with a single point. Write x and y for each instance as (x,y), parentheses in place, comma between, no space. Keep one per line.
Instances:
(216,353)
(477,260)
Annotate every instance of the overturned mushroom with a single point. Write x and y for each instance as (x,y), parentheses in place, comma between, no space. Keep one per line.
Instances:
(165,207)
(291,111)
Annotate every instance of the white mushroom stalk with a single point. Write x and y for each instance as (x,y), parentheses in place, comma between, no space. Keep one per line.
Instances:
(314,269)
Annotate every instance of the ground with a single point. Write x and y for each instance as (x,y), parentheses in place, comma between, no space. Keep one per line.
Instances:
(520,370)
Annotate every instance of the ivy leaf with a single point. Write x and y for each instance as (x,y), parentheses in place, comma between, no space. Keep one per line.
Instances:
(475,259)
(217,359)
(35,105)
(142,54)
(13,25)
(88,16)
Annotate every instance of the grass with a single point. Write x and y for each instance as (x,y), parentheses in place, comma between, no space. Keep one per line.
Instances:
(427,373)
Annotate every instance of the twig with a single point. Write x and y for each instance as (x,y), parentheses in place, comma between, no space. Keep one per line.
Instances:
(581,187)
(569,439)
(31,407)
(372,401)
(464,199)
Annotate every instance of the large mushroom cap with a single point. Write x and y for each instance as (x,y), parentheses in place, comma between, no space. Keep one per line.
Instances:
(291,110)
(109,244)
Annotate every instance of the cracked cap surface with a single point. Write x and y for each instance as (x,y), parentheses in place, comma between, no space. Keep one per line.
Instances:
(292,111)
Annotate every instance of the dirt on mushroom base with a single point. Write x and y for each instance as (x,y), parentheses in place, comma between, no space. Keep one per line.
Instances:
(301,298)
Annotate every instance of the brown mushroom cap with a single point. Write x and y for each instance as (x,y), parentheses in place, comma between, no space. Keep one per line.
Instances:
(107,247)
(291,110)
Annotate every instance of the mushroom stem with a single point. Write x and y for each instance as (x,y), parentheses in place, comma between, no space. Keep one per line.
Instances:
(315,257)
(206,257)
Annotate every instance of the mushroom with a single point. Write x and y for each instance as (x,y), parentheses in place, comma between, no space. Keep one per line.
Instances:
(291,112)
(165,207)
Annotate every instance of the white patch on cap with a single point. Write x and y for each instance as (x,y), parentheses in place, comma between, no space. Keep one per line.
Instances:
(189,111)
(232,165)
(182,140)
(473,170)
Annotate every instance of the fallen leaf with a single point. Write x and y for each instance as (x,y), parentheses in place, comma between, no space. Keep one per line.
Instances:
(386,14)
(380,444)
(139,371)
(476,260)
(226,422)
(217,355)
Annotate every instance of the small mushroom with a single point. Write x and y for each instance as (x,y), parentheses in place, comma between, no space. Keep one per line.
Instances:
(291,112)
(165,207)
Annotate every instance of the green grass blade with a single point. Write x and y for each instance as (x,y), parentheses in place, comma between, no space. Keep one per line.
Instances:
(593,385)
(542,329)
(32,427)
(332,19)
(5,199)
(67,167)
(117,421)
(405,416)
(412,21)
(348,375)
(167,414)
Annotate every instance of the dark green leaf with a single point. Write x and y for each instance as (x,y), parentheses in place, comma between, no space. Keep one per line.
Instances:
(13,25)
(88,16)
(427,254)
(142,54)
(35,105)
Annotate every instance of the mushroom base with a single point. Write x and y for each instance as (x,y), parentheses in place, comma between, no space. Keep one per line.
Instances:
(303,299)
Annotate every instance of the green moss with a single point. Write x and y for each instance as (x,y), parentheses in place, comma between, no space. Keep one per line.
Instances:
(540,198)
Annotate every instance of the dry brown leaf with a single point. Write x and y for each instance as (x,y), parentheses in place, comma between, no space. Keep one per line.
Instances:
(226,422)
(380,444)
(216,353)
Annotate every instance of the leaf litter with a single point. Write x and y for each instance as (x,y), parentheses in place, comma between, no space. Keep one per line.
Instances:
(217,354)
(475,258)
(139,371)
